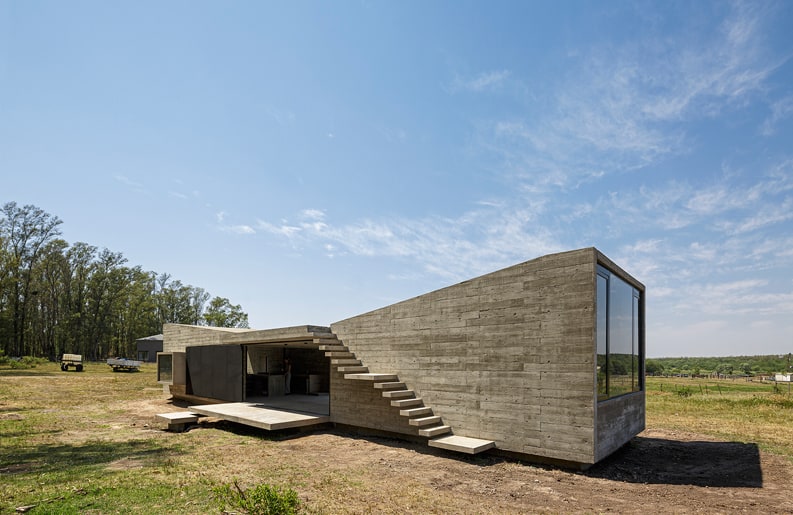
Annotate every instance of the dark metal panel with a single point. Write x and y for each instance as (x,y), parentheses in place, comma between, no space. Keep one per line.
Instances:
(217,371)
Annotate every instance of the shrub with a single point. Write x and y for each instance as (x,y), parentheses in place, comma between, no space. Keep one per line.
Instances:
(261,500)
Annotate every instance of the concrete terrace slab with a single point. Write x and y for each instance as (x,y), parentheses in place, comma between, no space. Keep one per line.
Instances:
(257,415)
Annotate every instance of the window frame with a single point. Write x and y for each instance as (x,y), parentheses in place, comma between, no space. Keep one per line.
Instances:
(604,363)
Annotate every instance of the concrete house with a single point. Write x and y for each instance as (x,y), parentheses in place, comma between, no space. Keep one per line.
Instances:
(542,360)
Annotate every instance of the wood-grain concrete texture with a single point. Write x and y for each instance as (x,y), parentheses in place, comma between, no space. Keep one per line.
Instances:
(177,337)
(508,356)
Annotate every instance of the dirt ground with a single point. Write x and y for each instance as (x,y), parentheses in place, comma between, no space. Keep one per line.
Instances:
(659,471)
(337,472)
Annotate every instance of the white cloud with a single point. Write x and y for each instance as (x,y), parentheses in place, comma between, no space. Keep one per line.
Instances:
(476,242)
(743,297)
(312,214)
(768,215)
(241,229)
(284,229)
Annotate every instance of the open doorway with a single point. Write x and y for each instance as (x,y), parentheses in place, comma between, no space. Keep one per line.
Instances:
(289,376)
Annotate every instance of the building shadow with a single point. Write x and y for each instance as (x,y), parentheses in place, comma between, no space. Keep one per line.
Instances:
(58,458)
(675,462)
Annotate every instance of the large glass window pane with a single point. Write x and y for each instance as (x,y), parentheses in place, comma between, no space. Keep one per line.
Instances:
(618,333)
(637,372)
(602,350)
(620,337)
(165,367)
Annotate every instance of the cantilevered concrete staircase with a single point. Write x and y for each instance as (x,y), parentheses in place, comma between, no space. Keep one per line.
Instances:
(397,393)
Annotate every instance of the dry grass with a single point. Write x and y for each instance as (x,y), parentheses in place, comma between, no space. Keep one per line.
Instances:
(88,443)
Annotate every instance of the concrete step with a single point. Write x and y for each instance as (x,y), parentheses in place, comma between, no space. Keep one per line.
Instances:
(347,361)
(336,348)
(415,412)
(354,369)
(407,403)
(398,394)
(435,431)
(177,421)
(390,386)
(339,354)
(372,377)
(327,341)
(462,444)
(425,421)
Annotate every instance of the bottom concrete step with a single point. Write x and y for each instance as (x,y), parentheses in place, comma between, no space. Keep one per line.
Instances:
(435,431)
(462,444)
(178,420)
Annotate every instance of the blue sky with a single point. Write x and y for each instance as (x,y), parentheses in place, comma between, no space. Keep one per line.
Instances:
(315,160)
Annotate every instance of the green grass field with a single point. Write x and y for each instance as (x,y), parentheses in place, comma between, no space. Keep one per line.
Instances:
(84,442)
(735,410)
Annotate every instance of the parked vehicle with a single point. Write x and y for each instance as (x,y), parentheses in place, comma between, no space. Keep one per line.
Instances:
(124,364)
(72,360)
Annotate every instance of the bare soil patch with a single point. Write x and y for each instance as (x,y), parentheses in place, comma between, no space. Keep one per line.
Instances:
(659,471)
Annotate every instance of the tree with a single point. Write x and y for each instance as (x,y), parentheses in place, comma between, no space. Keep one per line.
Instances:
(653,367)
(46,310)
(25,231)
(221,313)
(56,298)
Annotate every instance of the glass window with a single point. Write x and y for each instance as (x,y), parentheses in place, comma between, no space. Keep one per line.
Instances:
(638,373)
(618,336)
(165,367)
(602,320)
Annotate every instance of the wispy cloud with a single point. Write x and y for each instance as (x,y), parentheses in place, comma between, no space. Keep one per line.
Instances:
(484,81)
(626,107)
(780,110)
(283,117)
(135,186)
(744,297)
(476,242)
(238,229)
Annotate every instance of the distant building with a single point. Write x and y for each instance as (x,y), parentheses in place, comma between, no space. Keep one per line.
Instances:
(544,359)
(783,378)
(147,348)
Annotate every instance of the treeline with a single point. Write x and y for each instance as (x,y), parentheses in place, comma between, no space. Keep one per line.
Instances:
(57,297)
(733,365)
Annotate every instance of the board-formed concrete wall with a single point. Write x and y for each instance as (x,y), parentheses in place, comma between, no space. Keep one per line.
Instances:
(508,356)
(618,420)
(177,337)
